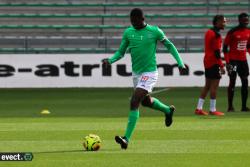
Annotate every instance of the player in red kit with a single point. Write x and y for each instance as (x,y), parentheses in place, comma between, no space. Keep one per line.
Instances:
(213,66)
(236,44)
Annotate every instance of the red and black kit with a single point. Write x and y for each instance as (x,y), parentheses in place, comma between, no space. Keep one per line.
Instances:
(212,58)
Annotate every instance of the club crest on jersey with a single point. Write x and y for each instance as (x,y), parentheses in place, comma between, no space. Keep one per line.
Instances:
(137,37)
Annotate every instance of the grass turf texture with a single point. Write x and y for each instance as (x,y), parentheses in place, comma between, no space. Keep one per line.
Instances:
(56,139)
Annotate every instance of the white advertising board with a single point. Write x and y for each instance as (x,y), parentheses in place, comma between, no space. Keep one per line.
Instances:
(85,70)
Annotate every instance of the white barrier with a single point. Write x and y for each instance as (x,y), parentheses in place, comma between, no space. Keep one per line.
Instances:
(85,70)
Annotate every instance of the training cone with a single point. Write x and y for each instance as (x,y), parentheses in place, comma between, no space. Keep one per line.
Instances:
(45,112)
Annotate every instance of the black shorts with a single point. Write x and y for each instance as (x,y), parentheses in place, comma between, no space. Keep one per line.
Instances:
(239,67)
(213,72)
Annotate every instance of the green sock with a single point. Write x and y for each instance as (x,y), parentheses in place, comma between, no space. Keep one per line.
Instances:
(160,106)
(132,119)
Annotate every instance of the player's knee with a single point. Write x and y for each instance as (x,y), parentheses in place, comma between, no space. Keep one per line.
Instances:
(146,102)
(206,87)
(244,82)
(213,92)
(134,103)
(232,83)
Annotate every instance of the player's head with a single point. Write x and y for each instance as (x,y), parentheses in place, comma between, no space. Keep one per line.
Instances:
(219,21)
(137,18)
(243,19)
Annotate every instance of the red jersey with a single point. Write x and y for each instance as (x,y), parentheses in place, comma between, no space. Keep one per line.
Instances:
(238,41)
(213,42)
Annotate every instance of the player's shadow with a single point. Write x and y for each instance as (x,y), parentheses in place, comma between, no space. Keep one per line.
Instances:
(210,117)
(74,151)
(59,151)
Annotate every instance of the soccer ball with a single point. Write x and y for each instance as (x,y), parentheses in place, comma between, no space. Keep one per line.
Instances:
(92,142)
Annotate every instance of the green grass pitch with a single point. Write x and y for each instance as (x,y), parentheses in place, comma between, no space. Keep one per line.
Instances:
(56,139)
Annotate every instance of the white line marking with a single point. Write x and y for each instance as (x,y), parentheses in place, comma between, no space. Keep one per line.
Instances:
(159,91)
(156,92)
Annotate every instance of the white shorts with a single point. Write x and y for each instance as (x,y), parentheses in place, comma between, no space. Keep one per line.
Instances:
(146,80)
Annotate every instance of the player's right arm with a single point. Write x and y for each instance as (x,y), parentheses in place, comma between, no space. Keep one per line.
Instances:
(120,52)
(248,45)
(226,48)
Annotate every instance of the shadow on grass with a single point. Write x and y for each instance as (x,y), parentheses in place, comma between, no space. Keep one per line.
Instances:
(59,151)
(211,117)
(76,151)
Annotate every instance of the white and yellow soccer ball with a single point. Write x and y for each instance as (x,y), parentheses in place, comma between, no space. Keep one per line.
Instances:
(92,142)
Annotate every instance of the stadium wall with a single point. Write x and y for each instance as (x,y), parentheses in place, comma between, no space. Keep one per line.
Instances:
(86,70)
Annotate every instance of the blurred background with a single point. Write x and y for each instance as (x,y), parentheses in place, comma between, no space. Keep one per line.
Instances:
(81,26)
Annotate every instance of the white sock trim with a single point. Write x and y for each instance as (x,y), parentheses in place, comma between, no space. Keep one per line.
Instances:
(200,103)
(212,105)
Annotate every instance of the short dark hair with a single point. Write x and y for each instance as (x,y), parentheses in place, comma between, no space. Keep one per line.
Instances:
(242,15)
(136,12)
(217,18)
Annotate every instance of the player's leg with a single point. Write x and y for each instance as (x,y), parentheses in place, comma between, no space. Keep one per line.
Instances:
(244,93)
(230,90)
(135,101)
(206,88)
(147,82)
(143,84)
(156,104)
(214,80)
(199,108)
(230,93)
(243,73)
(213,94)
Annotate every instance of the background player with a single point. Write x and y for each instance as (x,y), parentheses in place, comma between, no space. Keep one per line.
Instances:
(141,40)
(213,66)
(235,47)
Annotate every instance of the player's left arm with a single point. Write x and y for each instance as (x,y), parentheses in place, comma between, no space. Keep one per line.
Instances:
(172,49)
(174,52)
(248,45)
(217,52)
(170,46)
(226,47)
(217,49)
